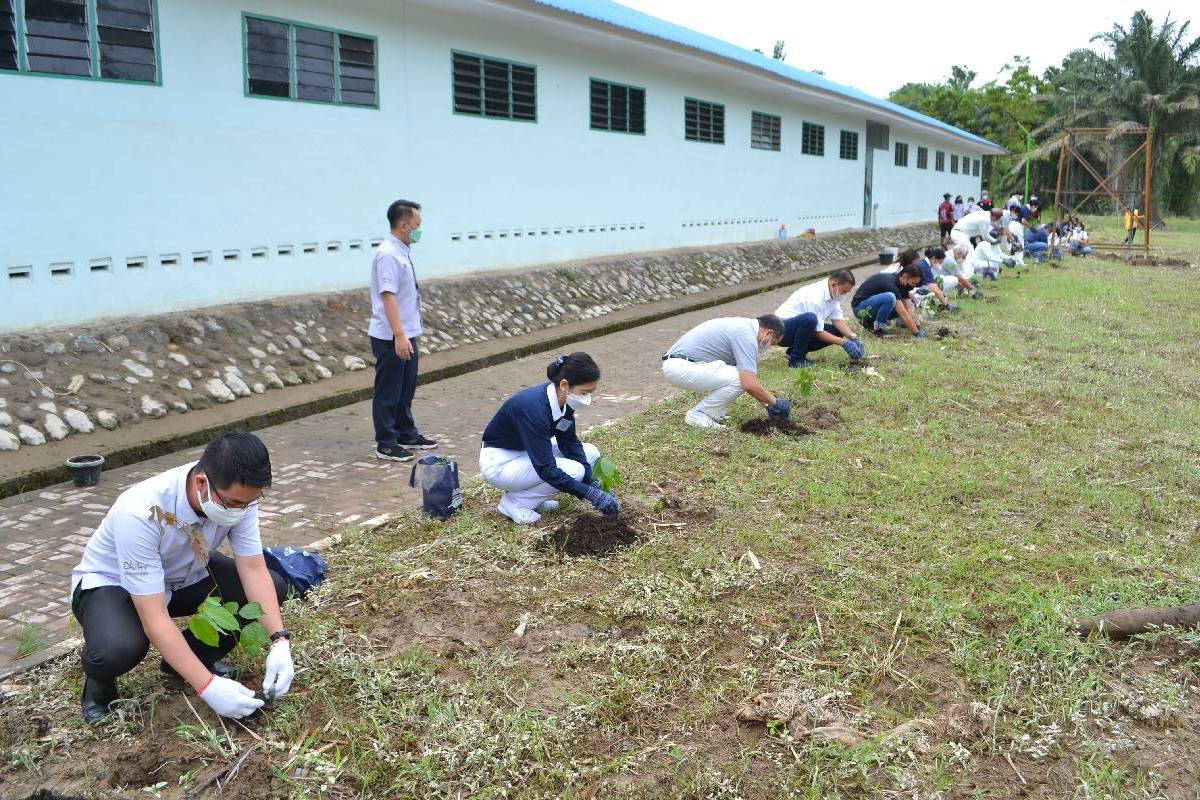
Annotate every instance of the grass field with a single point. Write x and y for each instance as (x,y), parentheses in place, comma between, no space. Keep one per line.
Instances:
(881,609)
(1179,238)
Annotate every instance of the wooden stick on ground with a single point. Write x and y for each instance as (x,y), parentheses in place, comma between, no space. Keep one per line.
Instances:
(1131,621)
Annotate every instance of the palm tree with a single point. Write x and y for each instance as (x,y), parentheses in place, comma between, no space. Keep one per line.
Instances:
(1148,77)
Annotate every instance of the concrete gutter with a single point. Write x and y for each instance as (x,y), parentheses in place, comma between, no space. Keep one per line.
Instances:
(263,411)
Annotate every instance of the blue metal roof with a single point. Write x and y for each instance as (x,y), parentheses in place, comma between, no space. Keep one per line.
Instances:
(621,16)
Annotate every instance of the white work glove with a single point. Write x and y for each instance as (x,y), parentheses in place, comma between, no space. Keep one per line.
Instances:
(280,671)
(229,698)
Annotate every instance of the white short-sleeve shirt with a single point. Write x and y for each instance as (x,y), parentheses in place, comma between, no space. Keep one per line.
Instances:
(813,298)
(147,553)
(977,224)
(392,271)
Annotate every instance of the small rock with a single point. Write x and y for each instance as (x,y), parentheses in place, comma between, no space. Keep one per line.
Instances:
(48,407)
(78,420)
(140,370)
(3,403)
(8,367)
(140,355)
(184,384)
(353,363)
(293,342)
(180,359)
(98,377)
(840,734)
(161,363)
(56,429)
(258,388)
(47,393)
(311,355)
(26,413)
(237,385)
(107,419)
(153,408)
(5,419)
(323,370)
(118,342)
(54,348)
(255,352)
(180,406)
(9,441)
(30,436)
(273,349)
(132,381)
(273,380)
(291,378)
(219,391)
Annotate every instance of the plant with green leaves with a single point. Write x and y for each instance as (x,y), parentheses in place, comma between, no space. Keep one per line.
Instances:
(605,471)
(214,618)
(804,382)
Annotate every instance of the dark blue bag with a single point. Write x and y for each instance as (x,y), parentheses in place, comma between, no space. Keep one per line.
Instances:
(301,569)
(441,496)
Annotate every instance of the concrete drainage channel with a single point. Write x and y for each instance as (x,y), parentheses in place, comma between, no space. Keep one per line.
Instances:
(540,341)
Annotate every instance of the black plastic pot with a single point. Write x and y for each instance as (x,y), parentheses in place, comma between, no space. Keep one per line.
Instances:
(85,470)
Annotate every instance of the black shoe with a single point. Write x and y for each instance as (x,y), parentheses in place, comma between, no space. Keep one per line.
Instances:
(97,695)
(394,453)
(418,442)
(222,669)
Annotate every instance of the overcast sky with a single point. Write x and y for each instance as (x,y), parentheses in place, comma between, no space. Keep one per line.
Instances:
(878,47)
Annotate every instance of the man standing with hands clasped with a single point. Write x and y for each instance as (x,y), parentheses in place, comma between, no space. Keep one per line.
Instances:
(395,326)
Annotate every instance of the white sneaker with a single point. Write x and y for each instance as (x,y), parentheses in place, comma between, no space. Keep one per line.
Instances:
(547,505)
(698,419)
(518,513)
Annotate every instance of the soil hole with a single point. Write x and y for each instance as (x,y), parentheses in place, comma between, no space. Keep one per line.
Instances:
(590,535)
(765,426)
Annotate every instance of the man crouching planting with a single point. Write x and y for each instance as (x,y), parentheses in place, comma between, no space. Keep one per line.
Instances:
(155,557)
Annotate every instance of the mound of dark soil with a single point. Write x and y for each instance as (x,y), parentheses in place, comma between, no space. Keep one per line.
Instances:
(822,418)
(766,426)
(944,332)
(590,535)
(50,794)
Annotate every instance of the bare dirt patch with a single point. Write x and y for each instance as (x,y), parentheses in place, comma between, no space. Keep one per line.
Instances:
(818,418)
(590,535)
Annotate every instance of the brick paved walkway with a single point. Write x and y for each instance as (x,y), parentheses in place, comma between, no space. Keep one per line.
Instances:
(325,474)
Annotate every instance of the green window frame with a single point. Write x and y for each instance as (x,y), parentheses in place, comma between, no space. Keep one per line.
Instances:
(101,40)
(939,161)
(848,146)
(901,154)
(703,121)
(283,59)
(617,107)
(922,157)
(975,168)
(812,139)
(953,164)
(766,131)
(494,88)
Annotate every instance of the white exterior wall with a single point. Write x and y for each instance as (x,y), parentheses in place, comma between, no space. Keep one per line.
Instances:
(908,194)
(107,172)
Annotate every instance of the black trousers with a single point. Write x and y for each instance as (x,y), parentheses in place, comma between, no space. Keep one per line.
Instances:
(395,387)
(113,639)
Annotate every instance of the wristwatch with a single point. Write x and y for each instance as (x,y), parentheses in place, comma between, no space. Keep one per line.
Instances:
(280,634)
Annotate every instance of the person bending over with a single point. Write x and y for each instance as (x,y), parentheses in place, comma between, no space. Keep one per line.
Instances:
(721,357)
(155,557)
(531,448)
(812,319)
(882,295)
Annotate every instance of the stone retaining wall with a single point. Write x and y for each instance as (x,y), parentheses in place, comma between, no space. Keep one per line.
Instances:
(59,383)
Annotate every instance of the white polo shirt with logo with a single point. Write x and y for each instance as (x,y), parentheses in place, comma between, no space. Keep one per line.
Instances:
(814,298)
(147,552)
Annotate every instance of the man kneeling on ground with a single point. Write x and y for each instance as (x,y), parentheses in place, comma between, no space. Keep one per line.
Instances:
(155,557)
(884,294)
(721,357)
(812,319)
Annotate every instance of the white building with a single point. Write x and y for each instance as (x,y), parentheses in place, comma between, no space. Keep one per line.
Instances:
(176,154)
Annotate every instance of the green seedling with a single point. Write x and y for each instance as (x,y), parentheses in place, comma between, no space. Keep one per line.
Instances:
(606,472)
(214,618)
(804,383)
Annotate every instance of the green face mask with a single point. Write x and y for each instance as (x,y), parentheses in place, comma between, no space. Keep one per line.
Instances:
(415,236)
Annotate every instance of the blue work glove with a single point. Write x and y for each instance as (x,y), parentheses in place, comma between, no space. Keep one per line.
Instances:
(853,348)
(920,334)
(1010,262)
(950,308)
(604,502)
(781,408)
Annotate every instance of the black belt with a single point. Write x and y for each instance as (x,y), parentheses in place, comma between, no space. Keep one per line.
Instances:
(685,358)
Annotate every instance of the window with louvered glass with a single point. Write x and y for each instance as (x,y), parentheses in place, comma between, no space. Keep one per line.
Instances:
(703,121)
(492,87)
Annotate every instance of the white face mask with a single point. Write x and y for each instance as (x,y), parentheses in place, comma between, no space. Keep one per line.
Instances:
(576,401)
(226,517)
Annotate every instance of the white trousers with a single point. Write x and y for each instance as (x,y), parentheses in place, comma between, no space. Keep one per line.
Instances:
(722,382)
(512,471)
